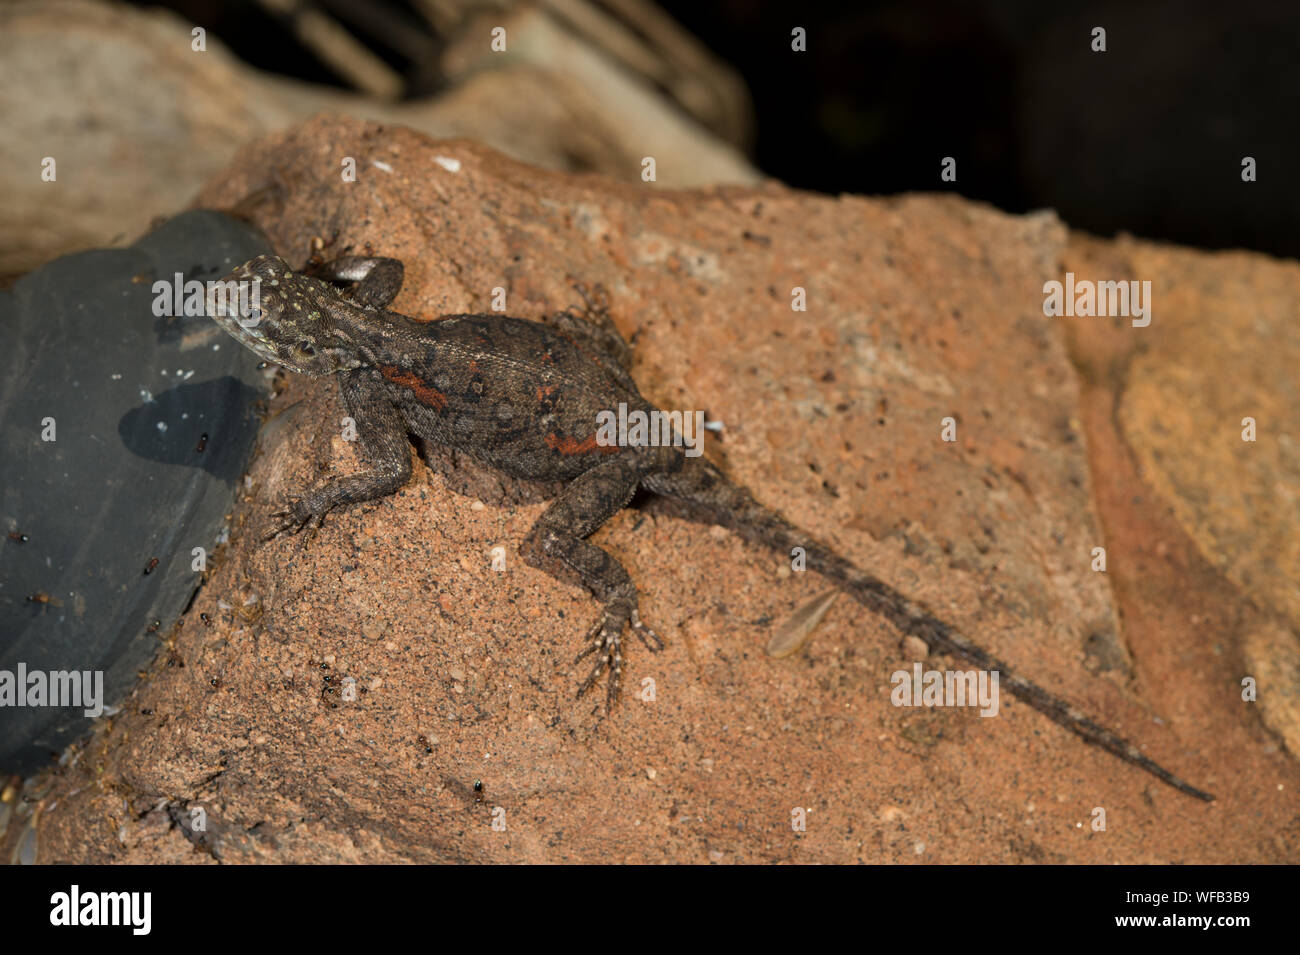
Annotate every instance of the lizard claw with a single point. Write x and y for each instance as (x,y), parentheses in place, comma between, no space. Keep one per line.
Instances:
(292,518)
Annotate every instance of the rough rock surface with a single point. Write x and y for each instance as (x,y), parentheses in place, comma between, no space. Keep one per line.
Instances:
(1220,349)
(918,309)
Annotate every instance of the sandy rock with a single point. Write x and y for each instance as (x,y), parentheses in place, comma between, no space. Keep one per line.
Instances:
(919,309)
(1221,348)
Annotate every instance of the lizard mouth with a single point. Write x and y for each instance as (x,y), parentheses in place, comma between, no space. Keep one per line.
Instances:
(242,323)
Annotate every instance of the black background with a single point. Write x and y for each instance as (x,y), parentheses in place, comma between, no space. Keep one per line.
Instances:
(918,908)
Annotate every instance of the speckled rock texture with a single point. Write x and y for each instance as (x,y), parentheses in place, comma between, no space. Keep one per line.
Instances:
(1073,433)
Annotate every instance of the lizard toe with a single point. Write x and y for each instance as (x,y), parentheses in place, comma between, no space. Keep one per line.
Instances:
(651,639)
(594,640)
(605,640)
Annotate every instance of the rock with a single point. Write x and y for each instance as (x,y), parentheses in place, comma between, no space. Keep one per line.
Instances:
(128,152)
(1221,347)
(920,309)
(914,648)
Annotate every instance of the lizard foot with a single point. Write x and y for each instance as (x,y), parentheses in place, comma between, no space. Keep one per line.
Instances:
(595,298)
(292,518)
(605,639)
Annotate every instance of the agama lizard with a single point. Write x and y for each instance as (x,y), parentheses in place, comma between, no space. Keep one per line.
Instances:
(522,397)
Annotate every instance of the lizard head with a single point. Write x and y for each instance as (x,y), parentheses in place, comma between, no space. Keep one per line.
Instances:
(281,317)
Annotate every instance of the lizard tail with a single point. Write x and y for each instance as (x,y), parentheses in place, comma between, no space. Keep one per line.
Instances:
(708,494)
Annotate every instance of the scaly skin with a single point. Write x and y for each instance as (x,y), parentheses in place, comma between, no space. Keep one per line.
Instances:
(522,397)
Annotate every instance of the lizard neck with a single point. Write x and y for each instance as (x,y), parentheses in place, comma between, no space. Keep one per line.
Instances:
(378,335)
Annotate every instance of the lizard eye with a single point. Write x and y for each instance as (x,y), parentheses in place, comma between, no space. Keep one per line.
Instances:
(305,347)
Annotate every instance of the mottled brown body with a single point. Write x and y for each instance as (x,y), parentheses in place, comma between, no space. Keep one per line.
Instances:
(523,397)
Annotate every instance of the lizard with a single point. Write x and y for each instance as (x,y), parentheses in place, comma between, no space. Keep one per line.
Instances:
(522,397)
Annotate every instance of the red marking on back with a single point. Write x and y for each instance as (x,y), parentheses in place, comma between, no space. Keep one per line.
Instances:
(424,393)
(571,446)
(545,391)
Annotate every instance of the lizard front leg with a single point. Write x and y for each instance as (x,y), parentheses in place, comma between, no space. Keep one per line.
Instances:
(557,545)
(385,449)
(376,279)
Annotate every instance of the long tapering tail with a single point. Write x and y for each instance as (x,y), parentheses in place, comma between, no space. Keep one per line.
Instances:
(708,495)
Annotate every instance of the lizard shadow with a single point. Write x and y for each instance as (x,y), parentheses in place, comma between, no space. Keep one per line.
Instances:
(209,425)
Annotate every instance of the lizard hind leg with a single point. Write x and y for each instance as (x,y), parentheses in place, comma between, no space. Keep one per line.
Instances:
(557,544)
